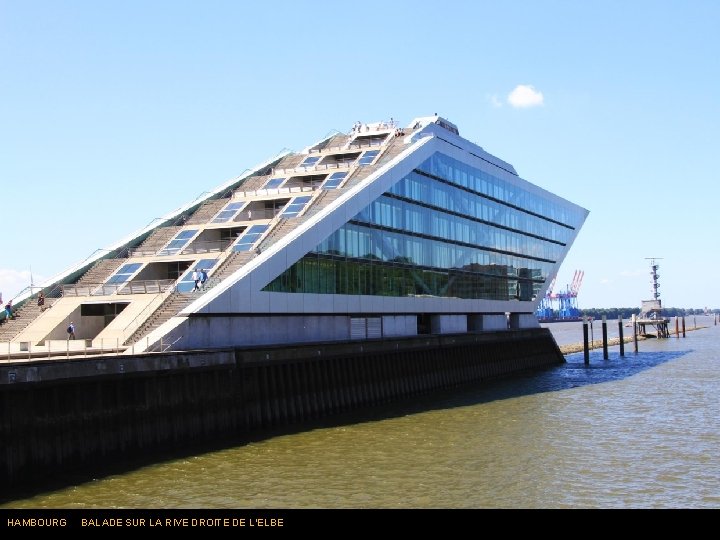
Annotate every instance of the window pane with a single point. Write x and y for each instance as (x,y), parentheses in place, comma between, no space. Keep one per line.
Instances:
(310,160)
(273,183)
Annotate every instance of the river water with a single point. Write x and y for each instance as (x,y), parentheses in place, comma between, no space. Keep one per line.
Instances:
(639,431)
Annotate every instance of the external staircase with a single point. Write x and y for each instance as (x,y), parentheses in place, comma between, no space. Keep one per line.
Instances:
(177,301)
(207,211)
(100,271)
(25,315)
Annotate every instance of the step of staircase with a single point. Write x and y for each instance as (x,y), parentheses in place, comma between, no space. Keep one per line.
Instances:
(207,211)
(100,271)
(24,316)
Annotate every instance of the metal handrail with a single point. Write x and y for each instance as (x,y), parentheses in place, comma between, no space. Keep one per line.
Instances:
(353,143)
(140,252)
(149,286)
(54,292)
(206,246)
(252,215)
(141,317)
(275,191)
(321,167)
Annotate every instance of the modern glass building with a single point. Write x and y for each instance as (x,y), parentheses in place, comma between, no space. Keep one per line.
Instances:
(380,232)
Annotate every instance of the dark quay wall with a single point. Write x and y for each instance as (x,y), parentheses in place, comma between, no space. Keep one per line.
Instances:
(61,415)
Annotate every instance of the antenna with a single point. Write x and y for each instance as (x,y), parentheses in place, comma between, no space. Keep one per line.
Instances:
(655,276)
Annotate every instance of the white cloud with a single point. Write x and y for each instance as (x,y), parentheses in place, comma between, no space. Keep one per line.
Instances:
(525,95)
(605,281)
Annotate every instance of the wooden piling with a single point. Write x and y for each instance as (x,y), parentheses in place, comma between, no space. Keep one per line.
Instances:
(635,338)
(683,325)
(586,348)
(620,335)
(604,337)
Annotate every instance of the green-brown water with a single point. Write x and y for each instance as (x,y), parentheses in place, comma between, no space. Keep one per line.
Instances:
(640,431)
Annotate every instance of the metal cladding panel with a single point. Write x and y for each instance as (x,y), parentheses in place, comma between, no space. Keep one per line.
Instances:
(357,328)
(374,327)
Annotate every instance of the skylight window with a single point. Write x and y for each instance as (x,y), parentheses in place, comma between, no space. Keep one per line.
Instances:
(310,161)
(252,235)
(124,273)
(177,243)
(368,157)
(273,183)
(295,206)
(334,180)
(227,213)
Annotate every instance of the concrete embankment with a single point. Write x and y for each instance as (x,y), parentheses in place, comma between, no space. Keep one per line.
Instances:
(88,414)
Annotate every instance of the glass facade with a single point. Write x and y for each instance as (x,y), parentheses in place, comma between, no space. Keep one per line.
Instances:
(446,229)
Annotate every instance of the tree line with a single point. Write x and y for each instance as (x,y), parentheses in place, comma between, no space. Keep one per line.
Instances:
(627,313)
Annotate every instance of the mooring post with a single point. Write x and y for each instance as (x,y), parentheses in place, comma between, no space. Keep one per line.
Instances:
(620,333)
(604,334)
(677,329)
(634,323)
(586,349)
(694,323)
(683,325)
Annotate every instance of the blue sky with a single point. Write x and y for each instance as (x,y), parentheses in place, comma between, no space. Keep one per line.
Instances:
(115,113)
